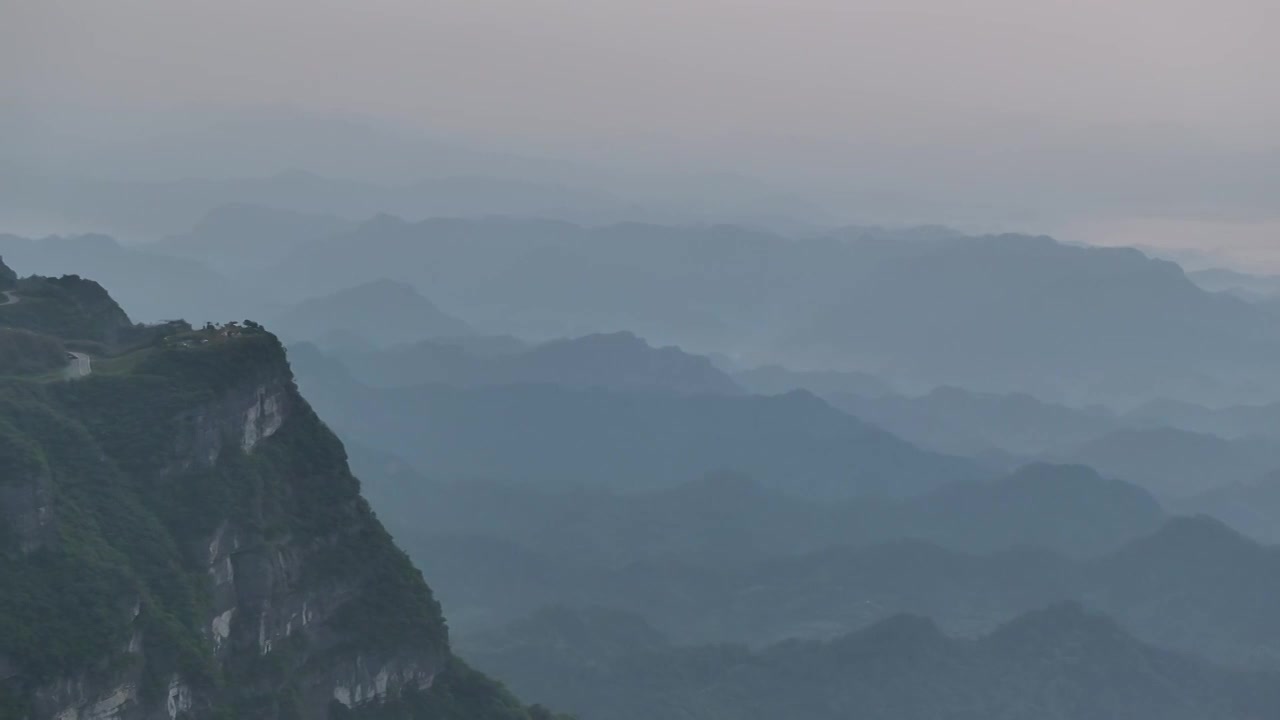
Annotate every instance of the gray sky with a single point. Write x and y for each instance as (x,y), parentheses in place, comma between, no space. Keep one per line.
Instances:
(1085,116)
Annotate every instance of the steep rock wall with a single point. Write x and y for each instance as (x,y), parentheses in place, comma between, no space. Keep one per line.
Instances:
(292,597)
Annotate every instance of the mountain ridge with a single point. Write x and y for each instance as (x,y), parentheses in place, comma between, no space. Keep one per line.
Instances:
(1061,662)
(582,437)
(968,311)
(619,361)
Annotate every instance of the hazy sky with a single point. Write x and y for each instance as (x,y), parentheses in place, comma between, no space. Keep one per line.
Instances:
(1035,111)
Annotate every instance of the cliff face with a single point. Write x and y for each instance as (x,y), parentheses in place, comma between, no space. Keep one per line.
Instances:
(181,537)
(241,416)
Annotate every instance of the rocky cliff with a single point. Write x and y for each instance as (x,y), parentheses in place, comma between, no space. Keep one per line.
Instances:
(180,536)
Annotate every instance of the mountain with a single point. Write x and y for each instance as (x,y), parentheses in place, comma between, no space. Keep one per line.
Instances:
(698,287)
(1175,463)
(728,520)
(1193,586)
(180,535)
(723,558)
(994,314)
(814,595)
(487,346)
(1060,662)
(619,361)
(777,380)
(560,437)
(238,237)
(1231,422)
(383,312)
(1252,508)
(151,286)
(960,421)
(70,308)
(1198,586)
(1245,285)
(1071,509)
(999,312)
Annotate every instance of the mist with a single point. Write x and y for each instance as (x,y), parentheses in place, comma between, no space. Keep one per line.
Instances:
(1081,120)
(628,360)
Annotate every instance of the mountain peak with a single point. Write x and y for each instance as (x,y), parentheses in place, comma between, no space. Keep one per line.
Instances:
(1200,531)
(397,289)
(621,360)
(1042,629)
(619,338)
(1073,478)
(1200,543)
(384,311)
(904,632)
(384,222)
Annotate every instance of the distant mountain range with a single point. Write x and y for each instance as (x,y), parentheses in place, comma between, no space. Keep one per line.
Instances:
(723,559)
(1193,586)
(619,361)
(149,285)
(727,519)
(240,237)
(1172,449)
(746,539)
(778,380)
(1002,430)
(1060,662)
(961,421)
(557,436)
(1253,508)
(1011,312)
(912,309)
(1233,422)
(1007,313)
(1176,463)
(999,431)
(1244,285)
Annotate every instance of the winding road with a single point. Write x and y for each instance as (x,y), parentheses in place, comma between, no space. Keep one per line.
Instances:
(81,364)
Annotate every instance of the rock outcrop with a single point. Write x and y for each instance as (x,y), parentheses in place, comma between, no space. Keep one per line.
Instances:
(185,540)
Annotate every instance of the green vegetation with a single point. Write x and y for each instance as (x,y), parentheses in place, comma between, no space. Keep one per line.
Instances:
(122,520)
(80,313)
(26,353)
(69,605)
(118,470)
(68,307)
